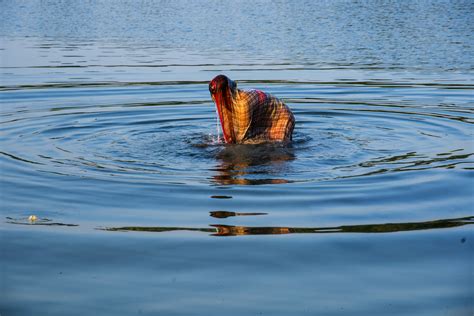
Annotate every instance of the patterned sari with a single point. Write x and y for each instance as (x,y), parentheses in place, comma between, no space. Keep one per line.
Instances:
(250,116)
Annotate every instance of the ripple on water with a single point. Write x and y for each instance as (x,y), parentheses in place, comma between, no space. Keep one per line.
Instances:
(353,159)
(107,127)
(332,140)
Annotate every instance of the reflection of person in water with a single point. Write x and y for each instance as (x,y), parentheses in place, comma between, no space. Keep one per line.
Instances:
(238,163)
(226,230)
(250,116)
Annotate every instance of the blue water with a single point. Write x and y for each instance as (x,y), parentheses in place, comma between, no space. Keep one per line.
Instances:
(108,137)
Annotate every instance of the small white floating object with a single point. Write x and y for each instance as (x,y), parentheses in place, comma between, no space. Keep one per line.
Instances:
(32,218)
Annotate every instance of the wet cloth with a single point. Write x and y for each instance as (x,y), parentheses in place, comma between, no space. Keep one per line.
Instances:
(253,116)
(259,116)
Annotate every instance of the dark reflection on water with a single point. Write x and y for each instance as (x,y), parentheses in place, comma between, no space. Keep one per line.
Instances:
(225,214)
(238,163)
(227,230)
(220,197)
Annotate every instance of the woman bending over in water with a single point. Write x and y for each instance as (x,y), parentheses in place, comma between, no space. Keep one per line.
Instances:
(250,116)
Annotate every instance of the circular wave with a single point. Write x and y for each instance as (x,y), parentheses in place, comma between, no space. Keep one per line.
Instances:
(177,143)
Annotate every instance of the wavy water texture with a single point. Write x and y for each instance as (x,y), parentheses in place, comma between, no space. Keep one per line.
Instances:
(390,137)
(345,138)
(108,133)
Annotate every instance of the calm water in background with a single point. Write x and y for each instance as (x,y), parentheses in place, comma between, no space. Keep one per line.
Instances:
(108,136)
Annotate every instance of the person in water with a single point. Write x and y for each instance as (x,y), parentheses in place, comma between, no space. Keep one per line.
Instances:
(250,116)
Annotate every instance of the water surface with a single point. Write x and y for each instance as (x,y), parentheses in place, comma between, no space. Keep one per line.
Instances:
(109,139)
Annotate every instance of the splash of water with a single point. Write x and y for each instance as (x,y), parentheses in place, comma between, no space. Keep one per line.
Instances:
(218,128)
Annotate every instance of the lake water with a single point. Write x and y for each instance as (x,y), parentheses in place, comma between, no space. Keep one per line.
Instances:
(108,137)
